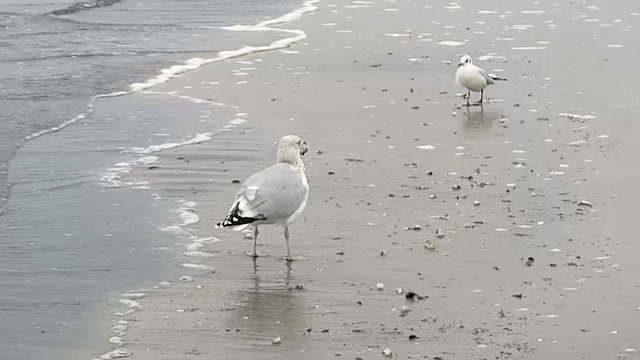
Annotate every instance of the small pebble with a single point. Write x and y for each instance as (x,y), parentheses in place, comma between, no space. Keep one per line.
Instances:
(530,261)
(410,295)
(276,340)
(584,203)
(387,352)
(476,203)
(429,246)
(380,286)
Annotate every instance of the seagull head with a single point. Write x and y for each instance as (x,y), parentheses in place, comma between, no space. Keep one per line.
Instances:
(464,60)
(290,148)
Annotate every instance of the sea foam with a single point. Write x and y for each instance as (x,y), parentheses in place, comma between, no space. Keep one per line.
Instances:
(195,63)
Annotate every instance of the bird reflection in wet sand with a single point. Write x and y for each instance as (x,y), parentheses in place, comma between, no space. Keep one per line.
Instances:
(270,307)
(479,122)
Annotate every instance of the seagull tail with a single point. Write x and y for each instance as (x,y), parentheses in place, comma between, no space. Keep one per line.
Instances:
(234,218)
(498,78)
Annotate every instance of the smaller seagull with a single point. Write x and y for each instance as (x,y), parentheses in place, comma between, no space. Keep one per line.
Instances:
(276,195)
(474,78)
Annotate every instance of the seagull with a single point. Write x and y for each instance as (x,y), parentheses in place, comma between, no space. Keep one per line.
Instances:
(276,195)
(474,78)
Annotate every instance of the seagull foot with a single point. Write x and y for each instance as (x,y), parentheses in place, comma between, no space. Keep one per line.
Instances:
(294,258)
(255,255)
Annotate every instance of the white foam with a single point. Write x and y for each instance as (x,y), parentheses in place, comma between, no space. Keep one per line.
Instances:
(132,295)
(130,303)
(197,266)
(115,354)
(426,147)
(195,63)
(147,160)
(577,116)
(187,214)
(199,138)
(120,329)
(117,340)
(450,43)
(237,121)
(77,118)
(528,48)
(194,100)
(198,254)
(491,56)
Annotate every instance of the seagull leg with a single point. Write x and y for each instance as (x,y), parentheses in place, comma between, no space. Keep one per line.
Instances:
(286,236)
(479,103)
(255,241)
(468,97)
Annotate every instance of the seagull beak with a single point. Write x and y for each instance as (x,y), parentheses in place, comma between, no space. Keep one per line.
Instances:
(460,64)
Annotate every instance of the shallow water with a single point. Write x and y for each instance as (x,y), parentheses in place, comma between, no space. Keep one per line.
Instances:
(69,246)
(56,55)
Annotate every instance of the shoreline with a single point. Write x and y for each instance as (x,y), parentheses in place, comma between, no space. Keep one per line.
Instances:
(86,176)
(193,64)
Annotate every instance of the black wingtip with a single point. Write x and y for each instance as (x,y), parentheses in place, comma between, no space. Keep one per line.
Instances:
(235,219)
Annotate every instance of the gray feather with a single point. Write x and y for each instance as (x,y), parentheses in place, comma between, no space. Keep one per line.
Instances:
(488,78)
(274,193)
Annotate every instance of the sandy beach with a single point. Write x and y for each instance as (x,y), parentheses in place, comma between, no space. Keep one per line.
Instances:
(513,223)
(534,259)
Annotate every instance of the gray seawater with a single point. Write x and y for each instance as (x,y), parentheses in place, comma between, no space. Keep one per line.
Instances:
(55,55)
(60,239)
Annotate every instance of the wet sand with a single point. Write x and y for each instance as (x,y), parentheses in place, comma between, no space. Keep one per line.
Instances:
(530,211)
